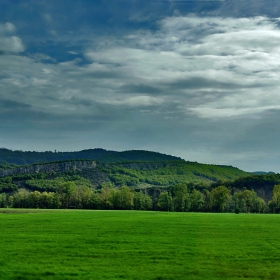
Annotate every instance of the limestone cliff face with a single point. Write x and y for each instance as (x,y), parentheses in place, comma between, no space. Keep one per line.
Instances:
(49,168)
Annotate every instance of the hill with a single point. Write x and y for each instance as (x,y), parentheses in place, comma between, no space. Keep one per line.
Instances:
(261,184)
(137,174)
(169,173)
(154,182)
(101,155)
(262,172)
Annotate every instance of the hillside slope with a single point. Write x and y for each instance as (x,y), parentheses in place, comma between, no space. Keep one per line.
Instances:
(169,172)
(261,184)
(133,174)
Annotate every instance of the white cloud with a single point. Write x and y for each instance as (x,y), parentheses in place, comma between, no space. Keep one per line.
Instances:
(10,44)
(210,25)
(72,52)
(7,28)
(47,18)
(135,101)
(230,58)
(208,112)
(211,67)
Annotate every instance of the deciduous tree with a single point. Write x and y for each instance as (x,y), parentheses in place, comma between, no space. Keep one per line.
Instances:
(219,197)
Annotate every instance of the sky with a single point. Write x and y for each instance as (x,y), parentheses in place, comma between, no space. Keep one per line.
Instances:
(195,79)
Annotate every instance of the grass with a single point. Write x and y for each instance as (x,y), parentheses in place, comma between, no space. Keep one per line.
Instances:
(75,244)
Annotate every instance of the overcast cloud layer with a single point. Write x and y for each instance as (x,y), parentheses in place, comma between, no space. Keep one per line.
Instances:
(195,79)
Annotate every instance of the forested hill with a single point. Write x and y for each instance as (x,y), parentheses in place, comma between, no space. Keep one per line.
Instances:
(138,174)
(101,155)
(262,184)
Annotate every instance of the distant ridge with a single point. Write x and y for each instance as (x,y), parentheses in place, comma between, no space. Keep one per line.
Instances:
(262,172)
(98,154)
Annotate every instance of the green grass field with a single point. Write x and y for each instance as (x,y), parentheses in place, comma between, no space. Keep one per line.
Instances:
(74,244)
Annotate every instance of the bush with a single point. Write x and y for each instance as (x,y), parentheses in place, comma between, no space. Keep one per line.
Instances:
(237,211)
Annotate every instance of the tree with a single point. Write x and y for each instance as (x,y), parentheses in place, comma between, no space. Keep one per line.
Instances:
(67,190)
(142,201)
(197,201)
(218,198)
(49,200)
(124,199)
(248,197)
(274,203)
(181,198)
(258,204)
(248,202)
(20,199)
(3,200)
(106,197)
(165,201)
(34,199)
(94,201)
(86,197)
(207,201)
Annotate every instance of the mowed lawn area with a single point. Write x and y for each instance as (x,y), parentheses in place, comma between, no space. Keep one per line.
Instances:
(80,244)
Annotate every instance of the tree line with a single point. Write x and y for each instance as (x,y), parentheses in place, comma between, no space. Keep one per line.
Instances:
(179,198)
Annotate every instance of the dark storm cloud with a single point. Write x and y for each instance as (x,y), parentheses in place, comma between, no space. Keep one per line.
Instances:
(203,83)
(250,8)
(103,75)
(7,105)
(229,8)
(140,88)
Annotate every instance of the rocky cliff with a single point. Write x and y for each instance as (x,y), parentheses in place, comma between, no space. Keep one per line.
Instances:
(49,168)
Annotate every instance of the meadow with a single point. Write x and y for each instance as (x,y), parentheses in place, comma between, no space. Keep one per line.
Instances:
(81,244)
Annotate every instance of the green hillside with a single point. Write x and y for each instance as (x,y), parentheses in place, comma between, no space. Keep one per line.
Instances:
(130,168)
(168,173)
(159,185)
(139,180)
(261,184)
(133,174)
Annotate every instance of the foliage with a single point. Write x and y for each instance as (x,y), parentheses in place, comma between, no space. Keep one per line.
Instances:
(179,198)
(261,184)
(56,183)
(256,181)
(124,199)
(168,173)
(4,165)
(197,201)
(7,185)
(274,204)
(218,198)
(248,202)
(165,202)
(160,173)
(163,185)
(142,201)
(3,200)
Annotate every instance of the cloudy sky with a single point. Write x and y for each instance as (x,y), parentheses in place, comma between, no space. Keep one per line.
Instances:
(196,79)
